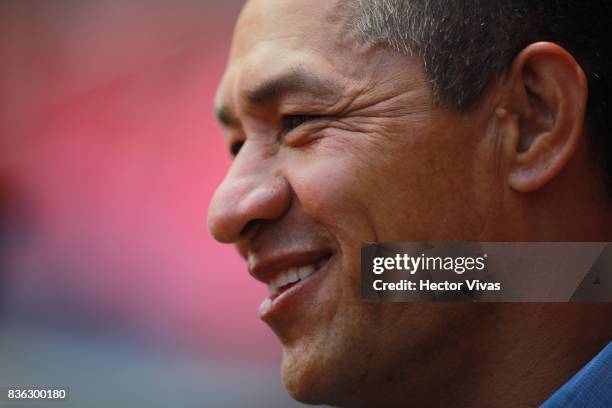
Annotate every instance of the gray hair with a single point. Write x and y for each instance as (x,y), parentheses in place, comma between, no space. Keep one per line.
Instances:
(466,43)
(462,43)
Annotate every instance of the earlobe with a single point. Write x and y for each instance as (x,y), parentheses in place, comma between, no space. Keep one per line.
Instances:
(545,114)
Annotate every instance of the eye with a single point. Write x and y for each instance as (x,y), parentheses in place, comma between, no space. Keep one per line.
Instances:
(235,147)
(291,122)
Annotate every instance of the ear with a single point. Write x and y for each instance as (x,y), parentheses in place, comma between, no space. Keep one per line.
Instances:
(543,116)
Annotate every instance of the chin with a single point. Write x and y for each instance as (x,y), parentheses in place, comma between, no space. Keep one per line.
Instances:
(312,377)
(306,377)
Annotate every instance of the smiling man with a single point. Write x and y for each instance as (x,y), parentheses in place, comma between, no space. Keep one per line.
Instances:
(377,121)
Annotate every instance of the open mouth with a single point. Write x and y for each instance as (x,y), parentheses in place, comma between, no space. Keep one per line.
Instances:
(293,276)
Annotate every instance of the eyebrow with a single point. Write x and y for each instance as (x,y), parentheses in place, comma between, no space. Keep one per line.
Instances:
(295,80)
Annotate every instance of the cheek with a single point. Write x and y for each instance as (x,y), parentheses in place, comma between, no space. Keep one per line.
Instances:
(328,188)
(359,191)
(414,186)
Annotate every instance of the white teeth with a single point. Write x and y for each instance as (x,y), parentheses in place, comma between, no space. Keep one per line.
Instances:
(282,280)
(291,275)
(305,271)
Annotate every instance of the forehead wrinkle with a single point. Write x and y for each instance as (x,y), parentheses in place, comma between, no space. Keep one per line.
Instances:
(296,80)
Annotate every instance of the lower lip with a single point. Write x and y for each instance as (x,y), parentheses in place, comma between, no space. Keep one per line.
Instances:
(302,290)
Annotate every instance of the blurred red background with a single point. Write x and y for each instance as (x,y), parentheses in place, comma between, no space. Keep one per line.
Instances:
(109,155)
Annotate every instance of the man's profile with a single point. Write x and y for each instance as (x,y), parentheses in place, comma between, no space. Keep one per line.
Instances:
(395,120)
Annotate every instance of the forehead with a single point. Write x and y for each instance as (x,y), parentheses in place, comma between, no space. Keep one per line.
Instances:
(307,21)
(272,36)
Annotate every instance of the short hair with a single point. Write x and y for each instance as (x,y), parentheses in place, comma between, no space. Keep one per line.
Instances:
(464,44)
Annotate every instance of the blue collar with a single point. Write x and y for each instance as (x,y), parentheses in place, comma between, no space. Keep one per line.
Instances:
(590,387)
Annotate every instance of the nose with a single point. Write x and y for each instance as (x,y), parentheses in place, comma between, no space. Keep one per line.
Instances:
(250,192)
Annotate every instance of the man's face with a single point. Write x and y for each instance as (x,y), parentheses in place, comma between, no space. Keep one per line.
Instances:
(340,144)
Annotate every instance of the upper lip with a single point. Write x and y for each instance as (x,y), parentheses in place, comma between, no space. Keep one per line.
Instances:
(265,269)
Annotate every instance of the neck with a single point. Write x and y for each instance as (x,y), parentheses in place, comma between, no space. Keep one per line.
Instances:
(548,344)
(506,355)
